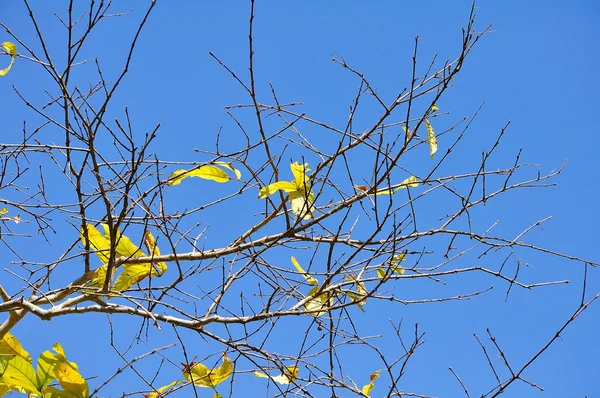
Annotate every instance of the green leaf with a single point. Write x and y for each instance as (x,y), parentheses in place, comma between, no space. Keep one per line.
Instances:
(45,369)
(10,49)
(18,373)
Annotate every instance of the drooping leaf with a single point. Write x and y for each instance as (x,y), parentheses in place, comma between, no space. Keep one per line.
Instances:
(155,394)
(394,266)
(302,202)
(18,373)
(431,140)
(311,280)
(11,346)
(202,376)
(369,387)
(289,375)
(207,172)
(11,49)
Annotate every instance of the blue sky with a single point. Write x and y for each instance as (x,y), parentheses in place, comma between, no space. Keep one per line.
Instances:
(536,68)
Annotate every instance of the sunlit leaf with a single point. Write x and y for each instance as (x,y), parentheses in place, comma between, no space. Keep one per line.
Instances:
(431,140)
(394,266)
(207,172)
(276,186)
(4,389)
(301,196)
(311,280)
(97,242)
(18,373)
(202,376)
(67,374)
(11,49)
(125,247)
(289,375)
(369,387)
(434,108)
(11,346)
(45,369)
(3,210)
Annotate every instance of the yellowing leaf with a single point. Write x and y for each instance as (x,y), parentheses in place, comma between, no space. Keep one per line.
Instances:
(431,140)
(3,210)
(132,274)
(410,182)
(434,108)
(317,305)
(125,247)
(10,49)
(360,297)
(67,374)
(45,369)
(10,345)
(18,373)
(276,186)
(369,387)
(301,196)
(4,389)
(150,243)
(162,389)
(289,375)
(394,267)
(98,243)
(202,376)
(208,172)
(307,276)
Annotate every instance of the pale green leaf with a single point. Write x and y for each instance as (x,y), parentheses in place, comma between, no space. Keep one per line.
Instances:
(18,373)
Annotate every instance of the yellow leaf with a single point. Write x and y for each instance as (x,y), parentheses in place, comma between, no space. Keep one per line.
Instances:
(10,49)
(67,374)
(11,346)
(158,393)
(307,276)
(301,196)
(98,243)
(410,182)
(202,376)
(208,172)
(3,210)
(360,296)
(276,186)
(150,243)
(45,369)
(18,373)
(434,108)
(431,140)
(289,375)
(317,305)
(125,247)
(4,389)
(237,173)
(369,387)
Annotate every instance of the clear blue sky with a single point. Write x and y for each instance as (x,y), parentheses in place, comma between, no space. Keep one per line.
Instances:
(537,68)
